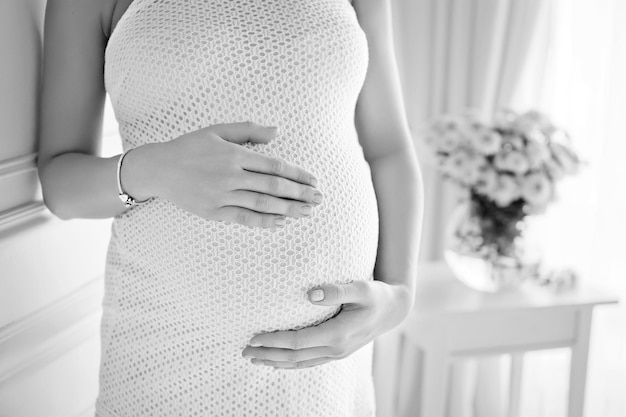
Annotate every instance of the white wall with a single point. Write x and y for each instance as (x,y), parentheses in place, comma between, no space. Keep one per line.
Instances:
(50,270)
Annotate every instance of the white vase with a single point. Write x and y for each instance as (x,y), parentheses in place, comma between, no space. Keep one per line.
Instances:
(480,266)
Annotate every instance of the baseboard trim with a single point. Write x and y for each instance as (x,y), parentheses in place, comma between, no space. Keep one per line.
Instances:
(18,165)
(51,332)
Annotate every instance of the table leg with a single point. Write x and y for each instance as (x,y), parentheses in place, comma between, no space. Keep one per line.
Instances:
(490,396)
(578,368)
(515,385)
(434,383)
(462,387)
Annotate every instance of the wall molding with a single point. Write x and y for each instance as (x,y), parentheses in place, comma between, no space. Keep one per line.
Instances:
(18,165)
(13,167)
(22,213)
(39,338)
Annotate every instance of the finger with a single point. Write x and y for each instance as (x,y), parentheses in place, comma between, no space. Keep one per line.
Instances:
(249,218)
(279,187)
(328,333)
(257,162)
(268,204)
(286,355)
(357,292)
(292,365)
(244,132)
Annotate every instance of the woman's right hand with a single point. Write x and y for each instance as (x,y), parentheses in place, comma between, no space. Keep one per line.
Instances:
(208,174)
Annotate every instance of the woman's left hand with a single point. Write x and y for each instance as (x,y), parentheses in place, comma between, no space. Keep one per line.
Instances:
(368,309)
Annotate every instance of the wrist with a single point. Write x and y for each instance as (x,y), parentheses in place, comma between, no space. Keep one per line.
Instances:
(138,173)
(406,297)
(401,297)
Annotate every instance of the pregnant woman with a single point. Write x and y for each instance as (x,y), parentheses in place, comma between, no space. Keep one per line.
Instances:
(271,198)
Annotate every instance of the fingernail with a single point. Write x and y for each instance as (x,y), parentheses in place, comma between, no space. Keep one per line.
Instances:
(279,222)
(256,362)
(276,129)
(317,198)
(313,182)
(316,295)
(255,344)
(306,210)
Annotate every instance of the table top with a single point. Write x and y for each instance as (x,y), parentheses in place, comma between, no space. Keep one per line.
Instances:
(438,291)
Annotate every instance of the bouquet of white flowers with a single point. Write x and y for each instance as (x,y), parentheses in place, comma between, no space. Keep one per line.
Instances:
(509,167)
(517,159)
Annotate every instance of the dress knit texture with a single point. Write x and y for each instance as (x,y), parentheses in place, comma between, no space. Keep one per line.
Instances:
(184,295)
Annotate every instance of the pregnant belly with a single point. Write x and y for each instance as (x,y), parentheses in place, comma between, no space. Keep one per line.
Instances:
(170,266)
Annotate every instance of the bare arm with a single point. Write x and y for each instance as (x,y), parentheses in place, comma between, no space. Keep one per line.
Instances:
(200,171)
(386,141)
(75,182)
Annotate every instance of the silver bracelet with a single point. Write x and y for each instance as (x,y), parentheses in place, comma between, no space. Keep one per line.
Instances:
(124,196)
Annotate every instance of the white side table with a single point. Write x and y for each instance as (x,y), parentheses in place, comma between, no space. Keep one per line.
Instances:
(451,321)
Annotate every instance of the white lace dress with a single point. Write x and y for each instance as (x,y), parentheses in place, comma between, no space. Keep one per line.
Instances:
(184,295)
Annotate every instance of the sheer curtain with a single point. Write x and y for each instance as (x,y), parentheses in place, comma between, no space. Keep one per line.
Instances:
(577,74)
(454,54)
(565,57)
